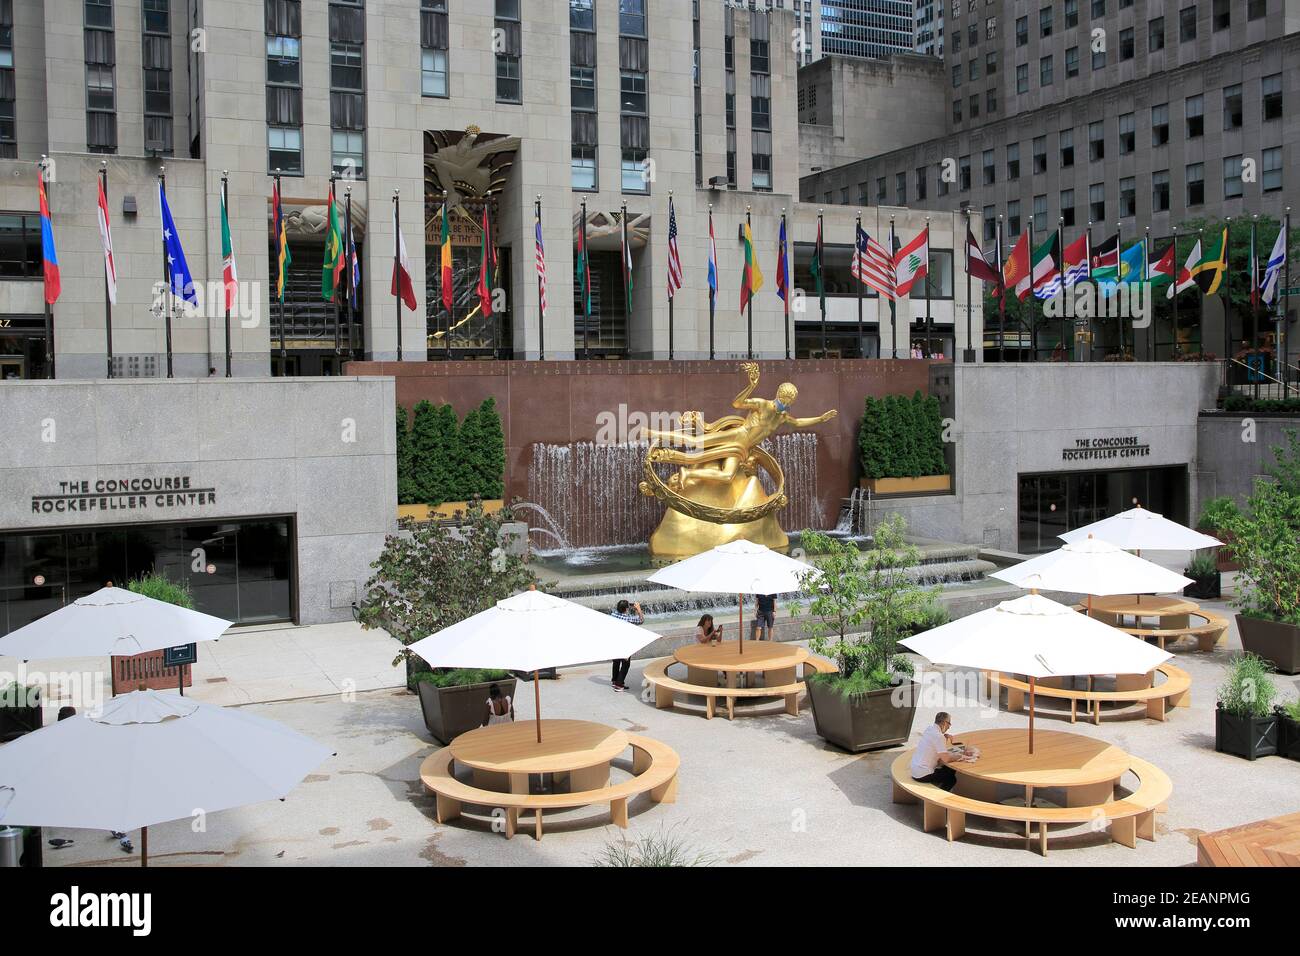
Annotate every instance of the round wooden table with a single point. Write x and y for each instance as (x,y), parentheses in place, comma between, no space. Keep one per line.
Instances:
(1169,611)
(502,756)
(777,662)
(1086,768)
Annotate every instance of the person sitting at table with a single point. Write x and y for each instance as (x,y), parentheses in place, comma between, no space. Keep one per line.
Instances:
(930,762)
(706,633)
(500,709)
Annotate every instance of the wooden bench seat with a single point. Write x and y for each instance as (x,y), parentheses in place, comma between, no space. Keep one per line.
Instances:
(1173,691)
(1207,636)
(1129,818)
(667,687)
(654,768)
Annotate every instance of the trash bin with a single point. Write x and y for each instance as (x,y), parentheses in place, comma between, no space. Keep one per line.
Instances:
(11,846)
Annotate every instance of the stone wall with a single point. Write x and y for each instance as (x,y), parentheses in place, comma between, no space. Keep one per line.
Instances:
(1233,452)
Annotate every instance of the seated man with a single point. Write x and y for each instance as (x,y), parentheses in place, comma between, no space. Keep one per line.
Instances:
(930,762)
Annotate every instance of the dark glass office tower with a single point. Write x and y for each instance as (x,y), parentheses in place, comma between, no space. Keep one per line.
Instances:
(867,28)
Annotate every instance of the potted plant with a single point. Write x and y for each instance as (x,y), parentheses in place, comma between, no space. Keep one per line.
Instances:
(453,701)
(1288,730)
(1216,514)
(1204,572)
(20,710)
(430,575)
(901,447)
(1266,540)
(1244,722)
(858,609)
(148,670)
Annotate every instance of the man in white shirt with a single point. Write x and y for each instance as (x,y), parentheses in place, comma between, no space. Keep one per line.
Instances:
(930,762)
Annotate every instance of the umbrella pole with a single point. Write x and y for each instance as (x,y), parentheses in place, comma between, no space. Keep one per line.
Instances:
(144,846)
(1031,714)
(537,704)
(740,603)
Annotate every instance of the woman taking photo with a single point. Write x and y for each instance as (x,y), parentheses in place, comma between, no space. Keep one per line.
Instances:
(706,633)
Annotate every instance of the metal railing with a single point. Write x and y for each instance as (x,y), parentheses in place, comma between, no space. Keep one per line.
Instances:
(1259,383)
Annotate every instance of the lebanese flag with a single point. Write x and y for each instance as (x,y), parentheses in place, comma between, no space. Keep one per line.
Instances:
(106,239)
(976,265)
(1162,271)
(912,263)
(1015,274)
(1186,278)
(401,286)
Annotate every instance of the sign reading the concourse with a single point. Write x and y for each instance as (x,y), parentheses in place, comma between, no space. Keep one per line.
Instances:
(1106,448)
(124,494)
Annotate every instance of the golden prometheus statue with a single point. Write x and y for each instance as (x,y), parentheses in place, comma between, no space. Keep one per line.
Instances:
(716,495)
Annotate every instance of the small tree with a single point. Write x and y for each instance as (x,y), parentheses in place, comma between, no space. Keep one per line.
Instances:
(1266,543)
(1286,467)
(861,592)
(406,484)
(431,575)
(492,457)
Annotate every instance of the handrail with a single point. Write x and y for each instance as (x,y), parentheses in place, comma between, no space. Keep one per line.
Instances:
(1286,386)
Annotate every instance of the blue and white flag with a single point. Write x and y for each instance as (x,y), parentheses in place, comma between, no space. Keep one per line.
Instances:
(178,271)
(1273,271)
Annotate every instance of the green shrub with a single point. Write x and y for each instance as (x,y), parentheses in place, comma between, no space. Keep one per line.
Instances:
(1248,689)
(1202,566)
(664,848)
(440,459)
(160,588)
(459,677)
(1266,544)
(1292,709)
(1217,512)
(1244,404)
(407,493)
(902,437)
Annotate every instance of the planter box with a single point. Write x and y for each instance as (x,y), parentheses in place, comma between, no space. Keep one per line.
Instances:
(1288,737)
(1248,737)
(446,510)
(863,723)
(20,718)
(1205,589)
(924,485)
(1271,640)
(451,711)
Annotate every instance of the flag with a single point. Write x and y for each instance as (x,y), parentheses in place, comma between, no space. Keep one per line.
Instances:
(1130,264)
(401,286)
(819,249)
(1015,273)
(713,261)
(626,258)
(751,278)
(444,273)
(280,235)
(178,275)
(1047,270)
(783,270)
(1162,270)
(1074,262)
(675,275)
(487,260)
(332,267)
(540,249)
(1105,260)
(1186,275)
(106,240)
(873,266)
(1273,268)
(50,257)
(356,263)
(584,268)
(912,263)
(229,277)
(976,265)
(1210,270)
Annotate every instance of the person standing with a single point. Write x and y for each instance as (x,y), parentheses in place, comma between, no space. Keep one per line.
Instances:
(630,612)
(764,617)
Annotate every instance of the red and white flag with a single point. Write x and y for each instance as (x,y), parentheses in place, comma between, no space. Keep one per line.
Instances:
(912,263)
(402,268)
(976,264)
(541,262)
(674,254)
(1186,278)
(106,239)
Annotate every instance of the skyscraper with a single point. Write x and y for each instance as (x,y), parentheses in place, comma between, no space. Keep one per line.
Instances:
(866,28)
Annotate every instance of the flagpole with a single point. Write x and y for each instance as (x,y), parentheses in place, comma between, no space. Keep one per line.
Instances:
(1002,297)
(1033,326)
(712,293)
(784,256)
(1060,246)
(108,302)
(671,297)
(349,247)
(1227,281)
(970,352)
(541,312)
(626,268)
(1282,348)
(893,300)
(1200,238)
(586,286)
(1151,299)
(49,309)
(857,259)
(1254,290)
(1087,249)
(225,293)
(821,278)
(929,324)
(397,265)
(343,253)
(284,354)
(1178,275)
(167,274)
(749,306)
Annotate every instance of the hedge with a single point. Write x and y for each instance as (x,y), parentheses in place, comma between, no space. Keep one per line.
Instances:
(902,437)
(440,459)
(1261,406)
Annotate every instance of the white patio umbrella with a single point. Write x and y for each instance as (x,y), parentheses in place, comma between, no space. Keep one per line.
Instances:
(1138,529)
(1093,567)
(529,632)
(149,758)
(740,568)
(1038,637)
(111,622)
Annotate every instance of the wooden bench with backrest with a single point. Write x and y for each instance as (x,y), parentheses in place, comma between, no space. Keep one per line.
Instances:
(1173,691)
(667,687)
(654,769)
(1129,818)
(1207,636)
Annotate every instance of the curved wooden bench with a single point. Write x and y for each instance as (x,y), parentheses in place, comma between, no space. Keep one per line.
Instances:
(1207,636)
(656,674)
(1129,818)
(654,768)
(1173,691)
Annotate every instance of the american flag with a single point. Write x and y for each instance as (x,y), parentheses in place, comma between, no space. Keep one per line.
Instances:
(674,256)
(541,265)
(873,265)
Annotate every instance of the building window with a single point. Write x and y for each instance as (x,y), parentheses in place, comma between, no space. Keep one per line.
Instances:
(1045,22)
(582,88)
(974,107)
(1013,218)
(99,13)
(20,246)
(1195,179)
(963,174)
(1096,141)
(8,94)
(1256,9)
(1272,170)
(1022,32)
(1045,71)
(509,76)
(1127,44)
(956,111)
(1127,198)
(989,219)
(762,165)
(1040,155)
(1155,34)
(1160,191)
(990,168)
(433,72)
(1022,78)
(283,61)
(1013,161)
(990,63)
(1232,186)
(284,147)
(1221,15)
(1067,207)
(991,100)
(973,68)
(760,60)
(880,191)
(433,52)
(1097,202)
(900,189)
(101,81)
(1072,62)
(1271,95)
(349,151)
(1232,115)
(1160,125)
(1040,209)
(509,52)
(991,28)
(1099,59)
(583,168)
(1098,9)
(1067,149)
(632,85)
(1071,13)
(1187,24)
(1127,133)
(284,87)
(347,89)
(345,67)
(956,75)
(636,177)
(1195,113)
(631,18)
(921,182)
(582,15)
